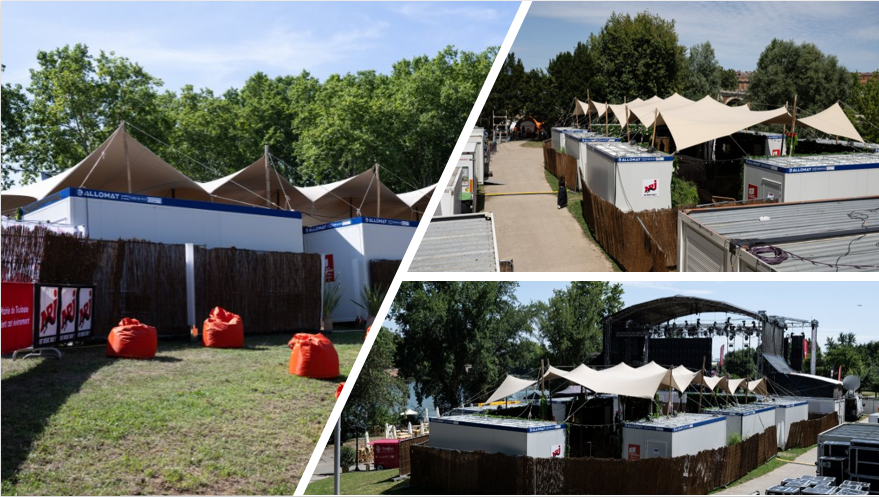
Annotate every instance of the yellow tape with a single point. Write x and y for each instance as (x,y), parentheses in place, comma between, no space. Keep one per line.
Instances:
(517,193)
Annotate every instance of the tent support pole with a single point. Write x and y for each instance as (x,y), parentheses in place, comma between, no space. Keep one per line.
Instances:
(378,193)
(653,140)
(268,181)
(701,385)
(628,138)
(670,393)
(127,160)
(606,122)
(793,126)
(589,109)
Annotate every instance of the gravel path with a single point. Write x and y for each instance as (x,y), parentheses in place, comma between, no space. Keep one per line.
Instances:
(530,229)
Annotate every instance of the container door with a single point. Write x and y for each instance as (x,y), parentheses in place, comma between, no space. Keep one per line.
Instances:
(656,448)
(771,190)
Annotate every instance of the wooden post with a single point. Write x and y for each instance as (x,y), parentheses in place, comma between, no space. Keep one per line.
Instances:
(576,114)
(628,138)
(702,385)
(127,159)
(670,393)
(606,121)
(378,193)
(793,126)
(268,178)
(589,109)
(653,140)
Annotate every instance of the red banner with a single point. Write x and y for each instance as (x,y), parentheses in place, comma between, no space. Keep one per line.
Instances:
(18,314)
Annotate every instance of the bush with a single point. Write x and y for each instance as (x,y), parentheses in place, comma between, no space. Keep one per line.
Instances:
(733,439)
(683,193)
(348,456)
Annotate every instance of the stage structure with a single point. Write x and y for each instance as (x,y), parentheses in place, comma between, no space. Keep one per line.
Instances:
(657,331)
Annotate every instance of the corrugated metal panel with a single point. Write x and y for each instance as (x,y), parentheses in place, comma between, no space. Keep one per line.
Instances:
(458,243)
(861,250)
(812,161)
(786,220)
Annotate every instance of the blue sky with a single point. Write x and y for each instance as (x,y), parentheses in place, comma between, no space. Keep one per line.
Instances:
(218,45)
(738,31)
(833,304)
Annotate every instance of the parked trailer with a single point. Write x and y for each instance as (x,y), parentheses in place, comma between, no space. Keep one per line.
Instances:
(114,215)
(576,141)
(353,243)
(515,437)
(816,177)
(746,420)
(629,176)
(708,238)
(787,412)
(465,243)
(672,436)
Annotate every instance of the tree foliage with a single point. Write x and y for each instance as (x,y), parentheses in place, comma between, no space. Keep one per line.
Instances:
(729,79)
(865,111)
(378,396)
(741,363)
(458,339)
(570,321)
(785,69)
(408,121)
(705,72)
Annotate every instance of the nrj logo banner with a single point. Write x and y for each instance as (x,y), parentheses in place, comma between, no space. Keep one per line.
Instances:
(650,188)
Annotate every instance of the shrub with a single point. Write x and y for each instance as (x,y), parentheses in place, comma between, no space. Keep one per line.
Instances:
(348,457)
(733,439)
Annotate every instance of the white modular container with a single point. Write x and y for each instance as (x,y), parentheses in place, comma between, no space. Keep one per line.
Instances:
(467,164)
(873,418)
(450,201)
(482,159)
(787,412)
(628,176)
(684,434)
(576,141)
(746,420)
(353,243)
(558,136)
(560,408)
(515,437)
(113,216)
(708,238)
(824,405)
(475,151)
(796,179)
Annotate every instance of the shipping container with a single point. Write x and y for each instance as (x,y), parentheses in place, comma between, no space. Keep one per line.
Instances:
(514,437)
(709,238)
(450,197)
(672,436)
(465,243)
(576,141)
(817,177)
(112,216)
(353,243)
(629,176)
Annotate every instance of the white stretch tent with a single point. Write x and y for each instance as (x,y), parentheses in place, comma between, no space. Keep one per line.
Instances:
(832,121)
(417,199)
(647,110)
(510,386)
(108,168)
(348,198)
(248,186)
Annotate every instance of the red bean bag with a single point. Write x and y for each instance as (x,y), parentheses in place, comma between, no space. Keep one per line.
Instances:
(313,356)
(223,329)
(132,340)
(339,389)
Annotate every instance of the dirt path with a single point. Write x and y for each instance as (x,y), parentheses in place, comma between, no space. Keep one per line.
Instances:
(789,470)
(530,229)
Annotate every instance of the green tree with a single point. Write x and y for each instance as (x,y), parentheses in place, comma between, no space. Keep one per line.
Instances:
(843,352)
(570,321)
(741,363)
(76,101)
(864,112)
(729,79)
(458,339)
(786,69)
(378,396)
(638,57)
(705,72)
(13,113)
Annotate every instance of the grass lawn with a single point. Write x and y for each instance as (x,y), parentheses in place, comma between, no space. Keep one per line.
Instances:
(770,465)
(533,144)
(363,483)
(575,201)
(192,420)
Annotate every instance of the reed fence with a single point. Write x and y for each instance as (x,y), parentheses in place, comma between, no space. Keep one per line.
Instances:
(805,433)
(382,271)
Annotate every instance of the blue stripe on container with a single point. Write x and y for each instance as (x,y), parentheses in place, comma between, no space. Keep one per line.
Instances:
(489,426)
(809,169)
(359,220)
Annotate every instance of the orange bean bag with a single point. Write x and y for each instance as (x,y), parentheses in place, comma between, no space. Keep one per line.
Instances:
(132,340)
(223,329)
(313,356)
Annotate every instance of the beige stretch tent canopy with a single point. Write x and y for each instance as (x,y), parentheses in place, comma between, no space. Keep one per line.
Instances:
(107,168)
(248,186)
(832,121)
(510,386)
(647,110)
(352,197)
(417,199)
